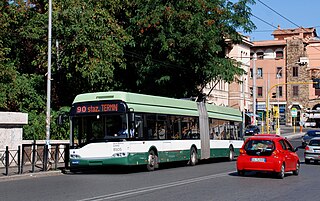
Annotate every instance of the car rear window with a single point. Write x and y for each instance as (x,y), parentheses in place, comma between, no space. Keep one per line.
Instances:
(314,143)
(259,147)
(314,133)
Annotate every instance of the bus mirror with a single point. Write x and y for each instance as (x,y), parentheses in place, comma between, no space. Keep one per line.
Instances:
(131,116)
(61,119)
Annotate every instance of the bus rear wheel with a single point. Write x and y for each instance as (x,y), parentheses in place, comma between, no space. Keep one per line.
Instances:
(231,153)
(152,161)
(193,157)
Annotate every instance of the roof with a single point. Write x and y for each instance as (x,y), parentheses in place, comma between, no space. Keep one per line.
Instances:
(269,43)
(265,136)
(294,31)
(316,138)
(161,105)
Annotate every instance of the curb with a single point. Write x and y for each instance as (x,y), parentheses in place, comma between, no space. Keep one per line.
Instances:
(293,135)
(30,175)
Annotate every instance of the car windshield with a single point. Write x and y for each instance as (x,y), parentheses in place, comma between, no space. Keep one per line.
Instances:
(314,143)
(251,127)
(313,133)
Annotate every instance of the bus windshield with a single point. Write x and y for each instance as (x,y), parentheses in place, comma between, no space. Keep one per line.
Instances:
(95,128)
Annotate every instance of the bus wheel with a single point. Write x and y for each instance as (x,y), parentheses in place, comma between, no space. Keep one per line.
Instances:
(231,154)
(193,157)
(152,161)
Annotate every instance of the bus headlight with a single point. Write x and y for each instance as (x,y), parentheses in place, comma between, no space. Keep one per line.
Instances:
(74,156)
(122,154)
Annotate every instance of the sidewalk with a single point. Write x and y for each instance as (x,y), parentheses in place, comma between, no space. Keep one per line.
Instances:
(27,173)
(292,135)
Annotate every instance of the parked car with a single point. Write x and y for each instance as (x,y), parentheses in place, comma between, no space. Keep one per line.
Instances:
(309,135)
(250,131)
(268,153)
(312,151)
(309,124)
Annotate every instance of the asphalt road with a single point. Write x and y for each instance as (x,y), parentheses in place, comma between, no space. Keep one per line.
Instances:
(210,180)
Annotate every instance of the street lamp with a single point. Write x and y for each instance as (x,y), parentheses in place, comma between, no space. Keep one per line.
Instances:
(48,115)
(278,97)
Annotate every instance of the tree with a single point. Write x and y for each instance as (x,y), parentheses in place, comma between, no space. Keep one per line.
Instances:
(169,48)
(180,46)
(90,48)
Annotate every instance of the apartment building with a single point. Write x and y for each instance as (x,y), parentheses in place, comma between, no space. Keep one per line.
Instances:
(284,67)
(236,94)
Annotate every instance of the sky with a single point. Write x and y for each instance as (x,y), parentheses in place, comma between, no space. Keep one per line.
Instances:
(305,13)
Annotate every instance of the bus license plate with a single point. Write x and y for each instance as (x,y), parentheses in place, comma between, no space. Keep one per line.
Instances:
(258,160)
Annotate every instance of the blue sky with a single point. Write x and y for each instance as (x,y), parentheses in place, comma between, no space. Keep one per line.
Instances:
(305,13)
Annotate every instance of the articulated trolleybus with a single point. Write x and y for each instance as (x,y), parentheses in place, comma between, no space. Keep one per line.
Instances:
(126,129)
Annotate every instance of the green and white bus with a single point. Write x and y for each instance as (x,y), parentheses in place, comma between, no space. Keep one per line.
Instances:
(155,130)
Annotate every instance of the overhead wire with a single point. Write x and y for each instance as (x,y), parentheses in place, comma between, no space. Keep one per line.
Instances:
(283,18)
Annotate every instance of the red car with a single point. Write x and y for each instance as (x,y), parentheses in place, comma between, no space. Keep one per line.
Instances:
(268,153)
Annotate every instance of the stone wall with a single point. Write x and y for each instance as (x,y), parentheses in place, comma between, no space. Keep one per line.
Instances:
(11,129)
(295,50)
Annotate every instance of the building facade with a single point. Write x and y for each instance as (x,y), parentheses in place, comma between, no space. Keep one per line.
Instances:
(236,94)
(285,68)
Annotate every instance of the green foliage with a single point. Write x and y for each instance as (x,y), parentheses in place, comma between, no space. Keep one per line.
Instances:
(182,44)
(169,48)
(90,47)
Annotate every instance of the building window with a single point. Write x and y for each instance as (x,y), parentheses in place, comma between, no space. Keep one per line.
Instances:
(295,90)
(259,73)
(317,92)
(251,73)
(279,72)
(251,91)
(279,91)
(279,54)
(260,55)
(295,72)
(259,91)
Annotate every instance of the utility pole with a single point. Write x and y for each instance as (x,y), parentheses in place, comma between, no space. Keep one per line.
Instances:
(48,117)
(254,88)
(244,105)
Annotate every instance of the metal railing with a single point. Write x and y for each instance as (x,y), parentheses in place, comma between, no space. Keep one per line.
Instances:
(34,157)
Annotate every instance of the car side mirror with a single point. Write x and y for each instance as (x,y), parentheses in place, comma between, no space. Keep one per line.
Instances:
(296,149)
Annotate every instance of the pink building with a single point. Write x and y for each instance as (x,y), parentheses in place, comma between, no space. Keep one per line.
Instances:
(285,68)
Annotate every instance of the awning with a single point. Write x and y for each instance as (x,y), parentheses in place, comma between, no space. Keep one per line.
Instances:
(251,115)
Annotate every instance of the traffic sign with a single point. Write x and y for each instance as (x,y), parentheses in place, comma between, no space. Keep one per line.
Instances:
(294,112)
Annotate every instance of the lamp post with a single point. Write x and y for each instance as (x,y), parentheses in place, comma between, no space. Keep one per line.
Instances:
(254,88)
(48,116)
(278,97)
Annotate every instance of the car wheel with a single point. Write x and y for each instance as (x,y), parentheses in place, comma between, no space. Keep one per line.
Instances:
(193,157)
(280,174)
(307,161)
(241,173)
(296,172)
(152,161)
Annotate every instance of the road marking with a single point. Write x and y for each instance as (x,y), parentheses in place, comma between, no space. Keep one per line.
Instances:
(153,188)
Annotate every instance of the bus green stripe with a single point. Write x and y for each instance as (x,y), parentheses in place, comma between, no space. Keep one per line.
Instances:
(141,158)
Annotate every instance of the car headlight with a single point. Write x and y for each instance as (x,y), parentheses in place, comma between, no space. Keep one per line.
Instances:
(121,154)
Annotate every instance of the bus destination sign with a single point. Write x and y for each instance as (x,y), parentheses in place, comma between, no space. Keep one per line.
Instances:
(98,107)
